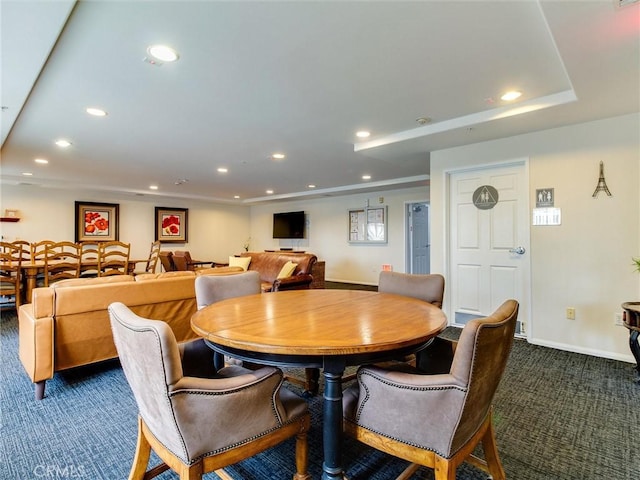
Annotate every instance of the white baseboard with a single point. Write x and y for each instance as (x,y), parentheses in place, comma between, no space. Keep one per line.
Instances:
(585,351)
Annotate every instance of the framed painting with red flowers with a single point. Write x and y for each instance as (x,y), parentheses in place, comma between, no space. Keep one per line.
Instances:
(96,222)
(171,224)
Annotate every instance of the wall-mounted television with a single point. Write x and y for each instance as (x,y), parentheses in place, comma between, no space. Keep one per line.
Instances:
(288,225)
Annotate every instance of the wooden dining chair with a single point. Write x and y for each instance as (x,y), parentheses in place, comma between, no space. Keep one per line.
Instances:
(61,262)
(198,420)
(113,258)
(10,273)
(426,287)
(214,288)
(89,259)
(25,249)
(436,417)
(152,261)
(38,250)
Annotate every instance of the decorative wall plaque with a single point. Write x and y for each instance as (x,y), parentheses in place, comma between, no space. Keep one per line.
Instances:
(485,197)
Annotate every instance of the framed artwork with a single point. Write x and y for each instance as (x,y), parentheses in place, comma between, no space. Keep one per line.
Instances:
(172,224)
(97,222)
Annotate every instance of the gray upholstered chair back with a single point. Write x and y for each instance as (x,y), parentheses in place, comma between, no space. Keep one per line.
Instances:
(213,288)
(150,359)
(429,288)
(223,418)
(438,412)
(479,361)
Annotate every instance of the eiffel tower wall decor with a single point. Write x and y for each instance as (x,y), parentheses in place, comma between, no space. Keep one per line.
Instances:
(602,184)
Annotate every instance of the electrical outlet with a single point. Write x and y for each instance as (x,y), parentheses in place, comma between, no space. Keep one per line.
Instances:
(617,319)
(571,313)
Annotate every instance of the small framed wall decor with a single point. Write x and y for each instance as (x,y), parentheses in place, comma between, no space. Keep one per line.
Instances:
(368,225)
(172,224)
(96,222)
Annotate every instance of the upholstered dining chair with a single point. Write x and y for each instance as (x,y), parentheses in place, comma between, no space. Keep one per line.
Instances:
(437,419)
(113,258)
(214,288)
(200,421)
(10,274)
(428,288)
(166,260)
(61,262)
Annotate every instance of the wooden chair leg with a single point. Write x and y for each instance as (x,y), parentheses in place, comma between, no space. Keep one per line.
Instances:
(408,472)
(191,472)
(491,453)
(302,457)
(312,377)
(141,457)
(444,469)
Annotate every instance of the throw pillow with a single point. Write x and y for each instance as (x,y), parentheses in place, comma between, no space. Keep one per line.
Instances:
(287,269)
(239,262)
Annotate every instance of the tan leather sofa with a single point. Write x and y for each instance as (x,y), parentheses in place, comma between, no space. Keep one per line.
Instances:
(269,265)
(67,324)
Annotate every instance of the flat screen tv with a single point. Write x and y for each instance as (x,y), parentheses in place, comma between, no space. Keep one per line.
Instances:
(288,225)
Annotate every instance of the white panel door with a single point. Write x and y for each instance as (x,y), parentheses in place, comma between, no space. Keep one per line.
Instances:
(489,242)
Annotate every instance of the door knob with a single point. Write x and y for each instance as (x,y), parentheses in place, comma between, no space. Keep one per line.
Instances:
(518,250)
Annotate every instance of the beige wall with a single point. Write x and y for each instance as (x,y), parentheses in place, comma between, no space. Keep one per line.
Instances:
(327,233)
(586,262)
(215,231)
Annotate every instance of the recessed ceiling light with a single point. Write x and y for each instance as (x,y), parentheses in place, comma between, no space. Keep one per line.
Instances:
(163,53)
(362,134)
(42,161)
(222,170)
(311,185)
(269,192)
(366,177)
(278,156)
(153,187)
(63,143)
(27,174)
(512,95)
(96,112)
(236,196)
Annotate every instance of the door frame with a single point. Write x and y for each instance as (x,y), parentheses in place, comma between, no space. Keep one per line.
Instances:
(448,173)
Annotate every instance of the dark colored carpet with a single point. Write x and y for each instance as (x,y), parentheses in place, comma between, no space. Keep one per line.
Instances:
(558,416)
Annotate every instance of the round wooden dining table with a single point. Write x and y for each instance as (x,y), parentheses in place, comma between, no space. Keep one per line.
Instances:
(317,328)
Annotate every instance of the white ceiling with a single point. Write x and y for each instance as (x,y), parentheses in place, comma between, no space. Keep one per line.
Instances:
(300,77)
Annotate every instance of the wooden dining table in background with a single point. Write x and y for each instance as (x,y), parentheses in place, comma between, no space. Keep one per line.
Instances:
(316,328)
(31,269)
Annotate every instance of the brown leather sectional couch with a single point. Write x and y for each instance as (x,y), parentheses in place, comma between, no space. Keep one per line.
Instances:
(67,325)
(269,265)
